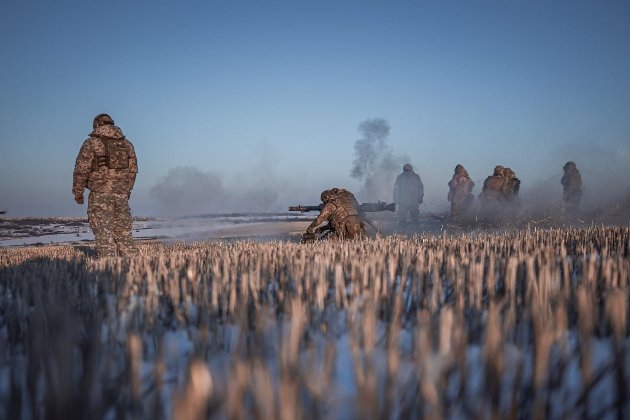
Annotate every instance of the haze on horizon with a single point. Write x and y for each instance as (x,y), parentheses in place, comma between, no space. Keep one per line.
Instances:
(253,106)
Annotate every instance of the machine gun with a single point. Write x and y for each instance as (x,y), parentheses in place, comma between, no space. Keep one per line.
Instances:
(305,209)
(363,207)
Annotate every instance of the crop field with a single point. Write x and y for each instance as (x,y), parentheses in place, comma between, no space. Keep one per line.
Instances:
(529,323)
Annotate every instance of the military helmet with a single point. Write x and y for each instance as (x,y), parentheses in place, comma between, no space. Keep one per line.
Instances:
(407,167)
(325,196)
(569,165)
(102,119)
(498,170)
(459,169)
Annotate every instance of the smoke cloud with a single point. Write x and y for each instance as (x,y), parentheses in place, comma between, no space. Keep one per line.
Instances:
(254,188)
(257,188)
(375,163)
(188,190)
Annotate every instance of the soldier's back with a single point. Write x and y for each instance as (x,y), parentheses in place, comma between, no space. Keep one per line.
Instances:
(492,186)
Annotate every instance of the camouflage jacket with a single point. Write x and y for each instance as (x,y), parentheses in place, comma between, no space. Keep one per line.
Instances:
(572,182)
(460,187)
(106,163)
(408,188)
(492,187)
(336,211)
(511,184)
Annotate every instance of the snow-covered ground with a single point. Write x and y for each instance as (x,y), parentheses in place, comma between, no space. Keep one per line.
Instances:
(37,231)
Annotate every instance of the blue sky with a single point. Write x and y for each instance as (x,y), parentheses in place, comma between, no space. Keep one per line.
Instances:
(274,91)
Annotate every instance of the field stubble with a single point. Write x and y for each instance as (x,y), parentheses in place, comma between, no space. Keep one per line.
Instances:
(530,323)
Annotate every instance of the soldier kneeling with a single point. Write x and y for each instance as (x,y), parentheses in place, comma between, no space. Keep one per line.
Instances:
(340,210)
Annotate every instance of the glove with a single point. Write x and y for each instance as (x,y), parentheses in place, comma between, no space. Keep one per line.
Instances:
(78,198)
(308,237)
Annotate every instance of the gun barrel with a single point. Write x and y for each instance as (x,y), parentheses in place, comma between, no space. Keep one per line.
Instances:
(305,209)
(374,207)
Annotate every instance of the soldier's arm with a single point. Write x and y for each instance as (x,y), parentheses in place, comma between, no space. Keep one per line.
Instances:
(133,165)
(82,168)
(451,187)
(323,216)
(323,229)
(420,191)
(484,188)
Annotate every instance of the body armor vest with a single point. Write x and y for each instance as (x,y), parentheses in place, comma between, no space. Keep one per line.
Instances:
(115,157)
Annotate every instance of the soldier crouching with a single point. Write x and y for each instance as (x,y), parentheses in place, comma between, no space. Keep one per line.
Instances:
(340,210)
(107,166)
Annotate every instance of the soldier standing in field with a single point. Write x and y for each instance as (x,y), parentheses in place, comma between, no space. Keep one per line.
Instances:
(491,196)
(572,186)
(460,188)
(511,187)
(340,210)
(499,195)
(408,195)
(107,166)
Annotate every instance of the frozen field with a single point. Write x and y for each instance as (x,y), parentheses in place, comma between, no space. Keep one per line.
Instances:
(257,226)
(529,323)
(31,231)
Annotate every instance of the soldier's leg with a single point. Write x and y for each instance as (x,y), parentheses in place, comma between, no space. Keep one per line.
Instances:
(454,208)
(358,230)
(100,211)
(414,213)
(468,203)
(401,213)
(351,229)
(491,211)
(572,202)
(122,226)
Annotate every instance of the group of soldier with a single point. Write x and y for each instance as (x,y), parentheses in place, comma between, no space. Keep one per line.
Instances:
(107,166)
(499,197)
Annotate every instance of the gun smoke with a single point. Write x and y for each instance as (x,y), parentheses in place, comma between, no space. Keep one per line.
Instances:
(187,191)
(375,163)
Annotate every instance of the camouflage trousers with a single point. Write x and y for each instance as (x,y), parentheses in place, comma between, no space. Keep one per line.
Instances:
(460,205)
(110,219)
(407,212)
(492,209)
(572,202)
(349,228)
(352,227)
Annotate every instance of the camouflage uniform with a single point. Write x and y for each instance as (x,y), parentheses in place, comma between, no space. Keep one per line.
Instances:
(499,195)
(341,211)
(460,191)
(491,194)
(107,166)
(572,186)
(511,186)
(408,194)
